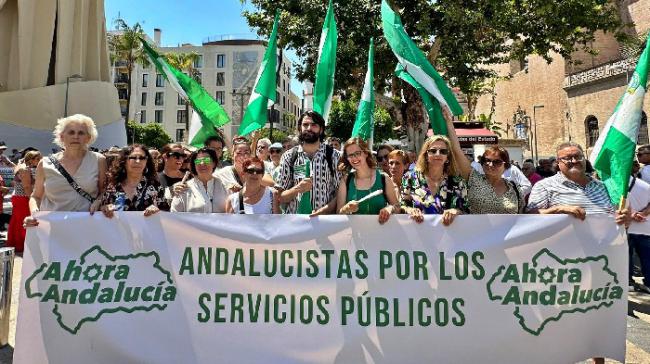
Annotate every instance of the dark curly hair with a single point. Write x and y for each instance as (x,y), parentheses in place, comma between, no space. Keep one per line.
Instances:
(117,172)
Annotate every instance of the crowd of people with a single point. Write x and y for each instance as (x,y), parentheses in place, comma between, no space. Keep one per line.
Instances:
(314,176)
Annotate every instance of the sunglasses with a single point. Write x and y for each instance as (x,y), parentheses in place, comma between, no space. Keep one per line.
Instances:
(254,170)
(275,151)
(492,162)
(137,158)
(572,159)
(177,155)
(439,151)
(380,158)
(204,160)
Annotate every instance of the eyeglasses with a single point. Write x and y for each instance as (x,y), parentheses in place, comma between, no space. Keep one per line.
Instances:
(357,154)
(254,170)
(177,155)
(380,158)
(137,158)
(642,153)
(204,160)
(261,147)
(492,162)
(440,151)
(572,159)
(275,151)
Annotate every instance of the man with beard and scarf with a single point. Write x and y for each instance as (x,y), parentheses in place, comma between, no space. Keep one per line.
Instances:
(571,191)
(323,178)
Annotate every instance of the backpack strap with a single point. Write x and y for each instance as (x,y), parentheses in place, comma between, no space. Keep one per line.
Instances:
(240,196)
(514,186)
(71,180)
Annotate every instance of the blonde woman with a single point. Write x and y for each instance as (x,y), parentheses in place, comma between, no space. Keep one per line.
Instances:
(70,180)
(434,186)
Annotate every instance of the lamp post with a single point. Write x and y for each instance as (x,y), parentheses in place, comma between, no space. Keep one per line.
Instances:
(241,93)
(535,107)
(67,87)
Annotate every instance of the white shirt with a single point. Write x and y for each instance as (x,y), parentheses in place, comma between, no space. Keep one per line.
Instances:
(511,174)
(645,173)
(639,196)
(199,199)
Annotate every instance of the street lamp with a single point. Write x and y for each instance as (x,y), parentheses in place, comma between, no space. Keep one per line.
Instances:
(67,86)
(535,107)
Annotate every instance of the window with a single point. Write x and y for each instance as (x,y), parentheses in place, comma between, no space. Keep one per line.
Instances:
(284,102)
(143,116)
(643,130)
(160,97)
(143,99)
(220,96)
(181,116)
(159,116)
(180,135)
(160,80)
(591,130)
(198,62)
(198,77)
(145,79)
(221,79)
(221,60)
(284,86)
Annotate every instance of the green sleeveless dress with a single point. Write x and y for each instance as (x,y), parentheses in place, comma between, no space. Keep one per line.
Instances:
(371,206)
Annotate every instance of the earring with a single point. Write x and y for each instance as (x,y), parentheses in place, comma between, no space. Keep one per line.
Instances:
(146,170)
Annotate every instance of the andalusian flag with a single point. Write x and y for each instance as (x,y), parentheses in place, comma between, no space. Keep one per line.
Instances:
(324,85)
(364,124)
(414,61)
(212,115)
(264,94)
(614,151)
(438,123)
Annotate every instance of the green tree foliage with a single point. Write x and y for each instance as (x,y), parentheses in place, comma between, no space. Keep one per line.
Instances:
(152,134)
(278,135)
(124,45)
(344,112)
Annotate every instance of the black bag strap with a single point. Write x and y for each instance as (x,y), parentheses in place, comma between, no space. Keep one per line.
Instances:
(71,180)
(241,202)
(451,183)
(514,186)
(329,157)
(632,184)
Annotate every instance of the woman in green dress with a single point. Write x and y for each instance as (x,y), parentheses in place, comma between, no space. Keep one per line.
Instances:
(363,179)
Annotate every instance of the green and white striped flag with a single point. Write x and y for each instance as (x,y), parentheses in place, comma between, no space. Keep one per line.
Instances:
(264,94)
(324,85)
(364,124)
(211,114)
(414,61)
(438,123)
(613,153)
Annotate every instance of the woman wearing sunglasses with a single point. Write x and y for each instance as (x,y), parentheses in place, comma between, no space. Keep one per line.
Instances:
(205,192)
(133,184)
(173,157)
(254,197)
(363,179)
(489,193)
(434,186)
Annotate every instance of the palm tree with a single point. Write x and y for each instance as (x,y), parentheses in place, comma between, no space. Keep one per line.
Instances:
(125,45)
(185,62)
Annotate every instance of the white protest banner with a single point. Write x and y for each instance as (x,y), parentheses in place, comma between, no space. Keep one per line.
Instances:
(201,288)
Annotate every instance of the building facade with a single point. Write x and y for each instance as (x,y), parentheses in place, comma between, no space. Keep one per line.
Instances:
(545,104)
(226,69)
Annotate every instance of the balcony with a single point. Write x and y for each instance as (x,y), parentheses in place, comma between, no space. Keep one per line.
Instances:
(599,73)
(121,79)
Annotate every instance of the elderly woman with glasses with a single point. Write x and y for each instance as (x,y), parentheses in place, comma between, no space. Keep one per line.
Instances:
(205,192)
(134,184)
(489,193)
(254,197)
(232,176)
(173,157)
(434,186)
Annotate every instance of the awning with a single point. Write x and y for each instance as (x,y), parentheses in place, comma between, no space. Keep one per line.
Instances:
(474,136)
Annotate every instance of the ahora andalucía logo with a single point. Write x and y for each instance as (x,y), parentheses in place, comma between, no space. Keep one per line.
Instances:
(547,288)
(98,284)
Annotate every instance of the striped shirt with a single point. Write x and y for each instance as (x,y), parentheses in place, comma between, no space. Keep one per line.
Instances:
(324,183)
(559,190)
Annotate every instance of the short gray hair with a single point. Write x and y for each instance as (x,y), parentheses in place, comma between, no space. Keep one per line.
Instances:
(62,123)
(568,145)
(264,141)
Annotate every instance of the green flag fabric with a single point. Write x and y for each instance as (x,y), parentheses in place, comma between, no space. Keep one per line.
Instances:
(613,152)
(324,85)
(212,115)
(438,123)
(264,93)
(414,61)
(364,123)
(304,204)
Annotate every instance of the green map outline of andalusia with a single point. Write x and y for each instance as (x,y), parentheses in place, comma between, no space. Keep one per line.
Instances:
(547,288)
(85,289)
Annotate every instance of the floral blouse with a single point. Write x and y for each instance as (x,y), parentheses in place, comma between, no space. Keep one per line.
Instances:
(146,194)
(416,193)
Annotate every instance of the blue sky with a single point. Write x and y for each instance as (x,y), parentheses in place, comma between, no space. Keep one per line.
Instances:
(186,21)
